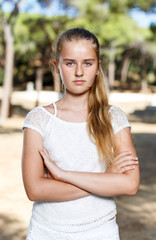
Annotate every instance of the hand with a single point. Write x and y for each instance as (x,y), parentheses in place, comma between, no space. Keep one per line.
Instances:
(122,163)
(53,170)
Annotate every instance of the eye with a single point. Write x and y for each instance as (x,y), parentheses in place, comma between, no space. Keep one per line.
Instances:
(70,63)
(88,64)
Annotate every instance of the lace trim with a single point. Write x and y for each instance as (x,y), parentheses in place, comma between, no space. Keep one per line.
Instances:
(91,222)
(107,230)
(118,119)
(75,227)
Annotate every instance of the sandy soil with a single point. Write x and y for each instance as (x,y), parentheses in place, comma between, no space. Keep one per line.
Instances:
(136,214)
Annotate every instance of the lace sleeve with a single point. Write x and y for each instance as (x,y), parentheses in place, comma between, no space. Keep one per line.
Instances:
(118,119)
(36,119)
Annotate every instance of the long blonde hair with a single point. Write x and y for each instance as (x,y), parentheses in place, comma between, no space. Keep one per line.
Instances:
(98,123)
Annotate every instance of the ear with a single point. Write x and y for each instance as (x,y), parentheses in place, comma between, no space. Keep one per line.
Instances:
(55,64)
(99,63)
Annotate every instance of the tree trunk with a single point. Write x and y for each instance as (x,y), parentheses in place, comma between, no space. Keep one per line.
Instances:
(144,85)
(8,71)
(9,62)
(106,83)
(39,83)
(111,71)
(124,71)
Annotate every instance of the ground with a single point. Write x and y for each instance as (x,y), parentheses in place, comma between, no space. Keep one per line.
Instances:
(136,214)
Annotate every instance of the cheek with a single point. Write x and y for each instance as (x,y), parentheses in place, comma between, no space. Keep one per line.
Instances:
(92,74)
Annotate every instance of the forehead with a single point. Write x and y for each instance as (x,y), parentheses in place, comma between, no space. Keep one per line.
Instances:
(78,48)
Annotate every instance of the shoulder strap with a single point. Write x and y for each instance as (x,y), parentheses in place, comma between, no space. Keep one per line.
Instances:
(55,108)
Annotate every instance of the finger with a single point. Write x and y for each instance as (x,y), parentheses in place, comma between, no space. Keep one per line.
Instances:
(45,151)
(127,158)
(128,163)
(43,154)
(127,168)
(126,153)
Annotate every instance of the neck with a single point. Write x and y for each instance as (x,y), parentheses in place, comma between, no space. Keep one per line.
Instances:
(72,100)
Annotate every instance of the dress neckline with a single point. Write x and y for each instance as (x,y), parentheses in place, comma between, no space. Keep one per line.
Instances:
(59,119)
(55,109)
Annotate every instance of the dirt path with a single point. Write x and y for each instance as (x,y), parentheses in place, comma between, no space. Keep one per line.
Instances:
(136,215)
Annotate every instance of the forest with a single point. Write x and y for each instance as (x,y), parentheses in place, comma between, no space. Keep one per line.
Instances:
(128,52)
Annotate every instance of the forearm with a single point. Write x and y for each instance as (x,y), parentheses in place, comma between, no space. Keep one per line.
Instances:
(52,190)
(103,184)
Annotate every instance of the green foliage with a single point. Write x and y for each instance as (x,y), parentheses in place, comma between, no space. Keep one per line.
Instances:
(119,6)
(34,35)
(116,30)
(109,20)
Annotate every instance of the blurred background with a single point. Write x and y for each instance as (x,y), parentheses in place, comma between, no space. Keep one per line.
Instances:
(126,30)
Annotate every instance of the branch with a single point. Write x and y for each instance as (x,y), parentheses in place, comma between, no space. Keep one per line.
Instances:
(15,10)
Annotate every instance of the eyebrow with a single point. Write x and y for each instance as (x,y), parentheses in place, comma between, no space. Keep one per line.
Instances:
(72,60)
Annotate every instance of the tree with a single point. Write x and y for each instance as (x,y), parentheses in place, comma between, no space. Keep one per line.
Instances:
(116,30)
(8,24)
(34,35)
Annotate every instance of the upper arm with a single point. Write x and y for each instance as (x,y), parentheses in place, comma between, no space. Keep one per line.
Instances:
(123,142)
(32,164)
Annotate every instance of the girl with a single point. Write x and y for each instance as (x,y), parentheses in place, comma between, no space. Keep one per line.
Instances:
(78,153)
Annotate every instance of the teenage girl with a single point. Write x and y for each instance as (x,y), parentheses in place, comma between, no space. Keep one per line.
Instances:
(78,152)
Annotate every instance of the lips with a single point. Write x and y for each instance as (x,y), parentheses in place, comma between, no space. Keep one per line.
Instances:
(79,81)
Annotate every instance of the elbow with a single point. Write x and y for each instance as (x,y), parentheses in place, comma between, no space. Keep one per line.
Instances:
(133,189)
(31,197)
(32,194)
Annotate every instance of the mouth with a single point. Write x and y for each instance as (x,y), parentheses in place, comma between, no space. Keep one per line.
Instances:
(79,81)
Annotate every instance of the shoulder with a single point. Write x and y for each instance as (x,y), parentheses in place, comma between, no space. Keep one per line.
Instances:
(119,119)
(114,110)
(37,119)
(40,113)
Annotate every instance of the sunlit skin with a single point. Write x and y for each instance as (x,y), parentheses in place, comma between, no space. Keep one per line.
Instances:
(78,61)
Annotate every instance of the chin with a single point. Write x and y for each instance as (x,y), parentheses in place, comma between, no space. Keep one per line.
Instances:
(77,91)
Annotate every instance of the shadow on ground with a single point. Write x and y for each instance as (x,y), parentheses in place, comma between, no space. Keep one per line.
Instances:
(5,130)
(133,223)
(18,110)
(148,115)
(145,144)
(10,229)
(137,214)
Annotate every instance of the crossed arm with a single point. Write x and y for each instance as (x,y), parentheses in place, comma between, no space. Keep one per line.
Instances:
(121,177)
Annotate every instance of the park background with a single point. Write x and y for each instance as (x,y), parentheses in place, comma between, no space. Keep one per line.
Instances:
(126,30)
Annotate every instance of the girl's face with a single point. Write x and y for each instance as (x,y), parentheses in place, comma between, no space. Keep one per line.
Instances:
(78,65)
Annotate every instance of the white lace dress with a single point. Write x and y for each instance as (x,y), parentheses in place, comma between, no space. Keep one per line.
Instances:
(69,145)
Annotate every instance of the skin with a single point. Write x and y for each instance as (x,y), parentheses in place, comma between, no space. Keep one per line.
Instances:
(78,61)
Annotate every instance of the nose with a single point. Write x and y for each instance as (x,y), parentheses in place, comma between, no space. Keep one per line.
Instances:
(79,70)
